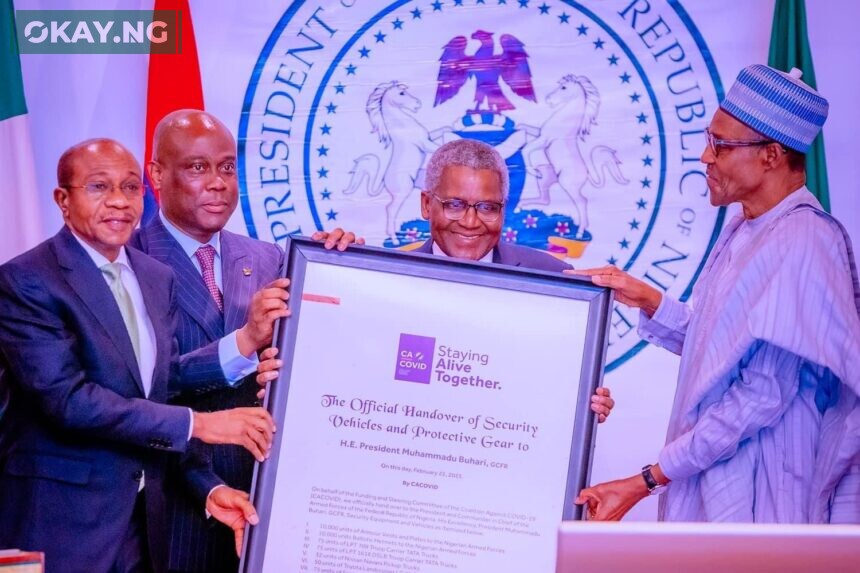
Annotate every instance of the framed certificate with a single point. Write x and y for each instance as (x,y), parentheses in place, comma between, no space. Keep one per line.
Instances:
(433,414)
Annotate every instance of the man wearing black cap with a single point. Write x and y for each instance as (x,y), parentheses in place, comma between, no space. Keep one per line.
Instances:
(765,426)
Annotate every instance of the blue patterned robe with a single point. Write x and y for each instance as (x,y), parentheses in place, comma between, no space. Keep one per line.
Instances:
(765,426)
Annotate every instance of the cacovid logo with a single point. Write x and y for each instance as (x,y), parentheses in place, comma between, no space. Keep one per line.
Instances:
(414,358)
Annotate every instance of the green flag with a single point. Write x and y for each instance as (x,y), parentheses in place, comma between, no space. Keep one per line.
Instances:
(19,193)
(789,48)
(12,87)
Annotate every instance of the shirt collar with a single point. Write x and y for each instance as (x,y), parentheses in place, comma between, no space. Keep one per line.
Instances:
(190,245)
(437,250)
(790,201)
(99,259)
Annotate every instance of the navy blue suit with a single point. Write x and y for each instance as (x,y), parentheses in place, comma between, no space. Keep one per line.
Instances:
(247,265)
(514,255)
(79,430)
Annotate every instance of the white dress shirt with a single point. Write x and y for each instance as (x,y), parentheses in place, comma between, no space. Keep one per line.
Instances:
(146,358)
(488,258)
(234,365)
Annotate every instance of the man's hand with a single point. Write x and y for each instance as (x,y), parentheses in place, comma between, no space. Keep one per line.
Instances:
(337,238)
(251,428)
(267,305)
(628,290)
(232,508)
(612,500)
(267,369)
(602,404)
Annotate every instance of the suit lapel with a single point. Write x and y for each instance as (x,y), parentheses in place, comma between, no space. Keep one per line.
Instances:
(191,292)
(426,247)
(500,257)
(239,286)
(88,283)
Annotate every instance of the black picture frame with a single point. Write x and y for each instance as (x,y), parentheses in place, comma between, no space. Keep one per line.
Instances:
(301,251)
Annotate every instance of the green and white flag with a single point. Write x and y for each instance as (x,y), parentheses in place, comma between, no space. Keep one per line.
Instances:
(789,48)
(18,193)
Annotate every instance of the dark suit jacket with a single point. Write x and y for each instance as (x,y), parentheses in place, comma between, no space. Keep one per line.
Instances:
(198,544)
(516,256)
(79,430)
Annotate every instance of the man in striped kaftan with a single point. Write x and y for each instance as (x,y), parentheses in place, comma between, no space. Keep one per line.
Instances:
(765,425)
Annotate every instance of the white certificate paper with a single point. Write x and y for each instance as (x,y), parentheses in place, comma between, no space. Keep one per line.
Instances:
(420,440)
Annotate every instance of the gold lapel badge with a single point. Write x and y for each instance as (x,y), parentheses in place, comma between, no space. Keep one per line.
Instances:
(246,271)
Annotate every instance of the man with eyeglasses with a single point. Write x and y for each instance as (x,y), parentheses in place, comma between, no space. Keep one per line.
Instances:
(86,354)
(765,426)
(467,185)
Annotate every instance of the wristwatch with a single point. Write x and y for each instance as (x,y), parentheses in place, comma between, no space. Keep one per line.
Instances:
(653,487)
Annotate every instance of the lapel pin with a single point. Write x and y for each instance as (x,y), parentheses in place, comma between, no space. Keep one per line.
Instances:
(246,271)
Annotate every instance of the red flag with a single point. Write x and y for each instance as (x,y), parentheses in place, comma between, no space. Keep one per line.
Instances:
(174,81)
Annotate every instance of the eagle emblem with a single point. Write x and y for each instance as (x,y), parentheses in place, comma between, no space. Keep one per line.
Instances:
(487,67)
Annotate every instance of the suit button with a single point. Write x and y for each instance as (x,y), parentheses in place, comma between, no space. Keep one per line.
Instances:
(138,475)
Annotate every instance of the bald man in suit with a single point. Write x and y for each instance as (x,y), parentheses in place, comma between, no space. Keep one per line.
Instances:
(230,296)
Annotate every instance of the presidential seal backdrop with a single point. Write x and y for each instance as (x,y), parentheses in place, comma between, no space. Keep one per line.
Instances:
(598,108)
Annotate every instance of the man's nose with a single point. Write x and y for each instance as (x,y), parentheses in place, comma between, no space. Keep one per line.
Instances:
(116,197)
(470,217)
(216,181)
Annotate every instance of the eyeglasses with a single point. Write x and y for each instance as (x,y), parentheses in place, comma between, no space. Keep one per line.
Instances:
(717,144)
(455,209)
(130,189)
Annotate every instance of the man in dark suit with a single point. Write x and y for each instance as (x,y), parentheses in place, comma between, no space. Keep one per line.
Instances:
(230,296)
(87,349)
(466,187)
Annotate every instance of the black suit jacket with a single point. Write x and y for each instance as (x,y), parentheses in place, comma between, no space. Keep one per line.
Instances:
(516,256)
(247,265)
(79,431)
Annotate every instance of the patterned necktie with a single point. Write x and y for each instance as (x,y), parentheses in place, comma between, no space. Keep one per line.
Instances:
(206,257)
(126,307)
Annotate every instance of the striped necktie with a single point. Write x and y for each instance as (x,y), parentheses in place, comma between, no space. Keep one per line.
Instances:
(206,257)
(126,307)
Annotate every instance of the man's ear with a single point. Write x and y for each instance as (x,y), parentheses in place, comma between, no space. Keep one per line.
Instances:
(774,155)
(61,198)
(153,169)
(425,204)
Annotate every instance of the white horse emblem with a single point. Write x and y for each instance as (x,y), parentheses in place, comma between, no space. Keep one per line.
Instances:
(554,156)
(390,107)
